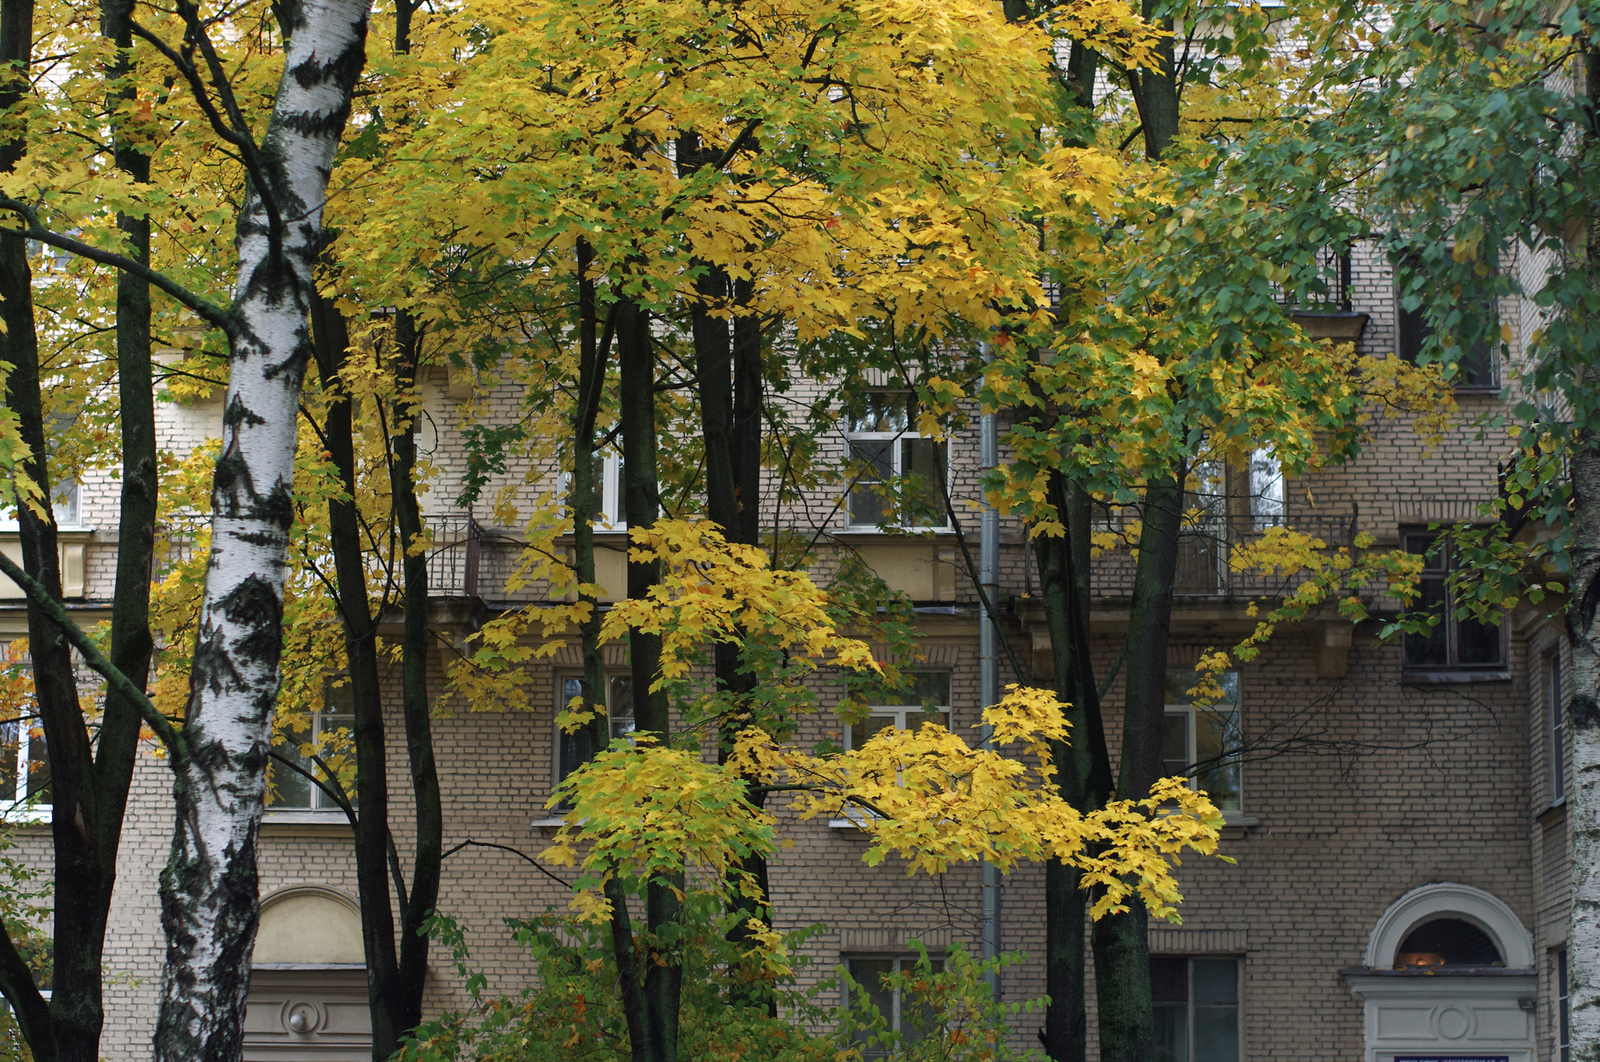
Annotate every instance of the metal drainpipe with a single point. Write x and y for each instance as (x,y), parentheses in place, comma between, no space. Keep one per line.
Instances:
(988,665)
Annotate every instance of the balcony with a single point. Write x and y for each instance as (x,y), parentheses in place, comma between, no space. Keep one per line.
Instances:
(1325,310)
(1205,547)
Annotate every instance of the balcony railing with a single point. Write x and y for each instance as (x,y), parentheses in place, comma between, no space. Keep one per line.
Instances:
(1333,265)
(454,556)
(1205,548)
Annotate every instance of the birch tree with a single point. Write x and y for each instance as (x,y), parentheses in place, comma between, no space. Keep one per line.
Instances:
(209,897)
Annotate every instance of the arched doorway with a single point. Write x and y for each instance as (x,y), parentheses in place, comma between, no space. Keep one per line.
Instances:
(308,981)
(1448,977)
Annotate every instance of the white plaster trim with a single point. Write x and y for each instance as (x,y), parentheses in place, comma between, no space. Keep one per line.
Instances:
(1449,900)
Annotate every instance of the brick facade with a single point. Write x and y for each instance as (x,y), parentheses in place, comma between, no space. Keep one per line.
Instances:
(1361,786)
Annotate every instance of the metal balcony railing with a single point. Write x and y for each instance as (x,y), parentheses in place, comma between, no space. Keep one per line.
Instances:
(454,555)
(1205,551)
(1333,265)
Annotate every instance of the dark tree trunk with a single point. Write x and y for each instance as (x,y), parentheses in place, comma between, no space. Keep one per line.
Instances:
(1085,778)
(636,364)
(19,348)
(371,824)
(415,704)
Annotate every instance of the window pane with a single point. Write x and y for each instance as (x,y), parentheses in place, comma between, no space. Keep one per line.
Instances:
(1175,743)
(868,507)
(621,709)
(1172,1033)
(10,751)
(916,690)
(1414,330)
(862,731)
(922,463)
(1169,980)
(1267,497)
(930,687)
(885,411)
(293,788)
(917,1015)
(1477,642)
(916,720)
(1216,1033)
(1429,649)
(870,989)
(38,765)
(1215,734)
(1216,980)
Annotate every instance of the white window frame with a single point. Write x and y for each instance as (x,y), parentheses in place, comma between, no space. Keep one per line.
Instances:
(1555,714)
(1190,1002)
(1187,711)
(321,804)
(609,488)
(15,806)
(897,466)
(901,714)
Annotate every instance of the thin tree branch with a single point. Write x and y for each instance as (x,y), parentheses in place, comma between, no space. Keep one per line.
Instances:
(57,614)
(506,848)
(208,311)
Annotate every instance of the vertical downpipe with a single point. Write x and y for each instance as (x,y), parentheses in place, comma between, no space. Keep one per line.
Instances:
(988,665)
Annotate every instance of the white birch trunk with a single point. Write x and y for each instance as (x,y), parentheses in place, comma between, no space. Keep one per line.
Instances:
(1583,721)
(209,899)
(1583,809)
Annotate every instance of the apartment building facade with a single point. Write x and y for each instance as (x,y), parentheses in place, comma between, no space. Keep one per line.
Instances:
(1394,808)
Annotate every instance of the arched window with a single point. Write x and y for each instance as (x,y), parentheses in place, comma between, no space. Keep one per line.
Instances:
(1447,942)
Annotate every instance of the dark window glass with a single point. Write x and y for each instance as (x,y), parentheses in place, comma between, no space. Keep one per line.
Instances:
(577,749)
(1476,369)
(1447,942)
(1556,713)
(1449,642)
(1563,1009)
(908,1014)
(1196,1003)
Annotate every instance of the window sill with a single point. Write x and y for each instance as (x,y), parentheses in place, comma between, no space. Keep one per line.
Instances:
(1554,815)
(1447,676)
(304,824)
(25,816)
(549,822)
(894,532)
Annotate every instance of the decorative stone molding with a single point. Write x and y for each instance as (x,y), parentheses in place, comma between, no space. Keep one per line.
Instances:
(1449,900)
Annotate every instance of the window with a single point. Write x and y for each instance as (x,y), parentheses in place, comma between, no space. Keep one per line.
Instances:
(24,761)
(926,699)
(611,511)
(880,983)
(1563,1015)
(898,475)
(293,791)
(1475,370)
(575,750)
(65,506)
(1555,714)
(1450,642)
(1196,1009)
(1201,741)
(1447,942)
